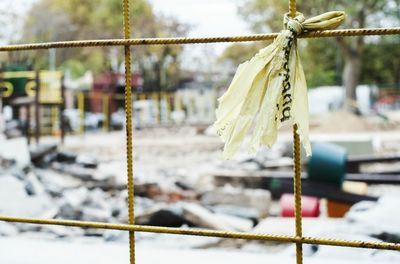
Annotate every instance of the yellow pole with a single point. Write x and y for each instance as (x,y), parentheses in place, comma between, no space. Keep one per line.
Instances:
(81,108)
(129,131)
(54,120)
(177,102)
(106,111)
(297,173)
(167,105)
(157,106)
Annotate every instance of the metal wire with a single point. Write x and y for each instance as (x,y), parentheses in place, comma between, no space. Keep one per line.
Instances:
(203,232)
(128,113)
(292,8)
(174,41)
(297,193)
(297,173)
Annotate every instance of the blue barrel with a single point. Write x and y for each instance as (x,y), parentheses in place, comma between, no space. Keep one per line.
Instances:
(327,164)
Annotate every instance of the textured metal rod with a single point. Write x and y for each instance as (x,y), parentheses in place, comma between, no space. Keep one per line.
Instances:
(297,171)
(297,193)
(170,41)
(202,232)
(128,122)
(292,8)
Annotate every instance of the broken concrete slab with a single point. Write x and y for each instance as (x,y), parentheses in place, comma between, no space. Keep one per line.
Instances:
(87,161)
(365,216)
(160,216)
(33,186)
(82,204)
(95,214)
(67,157)
(16,149)
(75,170)
(286,226)
(14,199)
(76,197)
(67,211)
(97,198)
(114,172)
(238,211)
(55,183)
(201,217)
(6,164)
(236,223)
(8,229)
(250,198)
(43,154)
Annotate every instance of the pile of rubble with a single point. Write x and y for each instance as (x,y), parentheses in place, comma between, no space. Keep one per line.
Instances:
(47,181)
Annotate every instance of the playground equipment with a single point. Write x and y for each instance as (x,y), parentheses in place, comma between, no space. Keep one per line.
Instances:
(150,108)
(40,92)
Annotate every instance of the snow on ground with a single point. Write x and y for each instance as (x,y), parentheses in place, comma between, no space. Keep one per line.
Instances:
(164,156)
(30,251)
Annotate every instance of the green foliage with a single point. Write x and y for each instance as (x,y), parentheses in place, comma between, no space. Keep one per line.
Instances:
(382,65)
(76,68)
(321,70)
(324,59)
(56,20)
(321,61)
(239,52)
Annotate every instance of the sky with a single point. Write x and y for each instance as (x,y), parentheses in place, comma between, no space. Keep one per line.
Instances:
(209,17)
(9,29)
(206,18)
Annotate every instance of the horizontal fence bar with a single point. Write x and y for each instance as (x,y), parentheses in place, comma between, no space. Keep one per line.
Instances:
(208,233)
(170,41)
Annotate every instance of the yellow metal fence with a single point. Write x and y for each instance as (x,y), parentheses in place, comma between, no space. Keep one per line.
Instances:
(162,104)
(297,238)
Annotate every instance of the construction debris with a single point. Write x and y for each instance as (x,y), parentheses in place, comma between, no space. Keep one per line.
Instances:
(181,183)
(240,198)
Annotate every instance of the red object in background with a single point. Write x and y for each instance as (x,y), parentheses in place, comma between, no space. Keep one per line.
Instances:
(111,83)
(310,206)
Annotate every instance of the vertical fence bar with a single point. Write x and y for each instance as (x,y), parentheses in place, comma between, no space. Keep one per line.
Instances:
(37,107)
(167,99)
(81,107)
(292,8)
(297,194)
(106,111)
(54,118)
(28,123)
(62,110)
(155,96)
(297,172)
(128,112)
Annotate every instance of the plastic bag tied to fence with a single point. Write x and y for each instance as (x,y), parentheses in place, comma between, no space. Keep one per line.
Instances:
(270,89)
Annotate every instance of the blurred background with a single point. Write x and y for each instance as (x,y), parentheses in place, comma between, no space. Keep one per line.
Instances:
(62,134)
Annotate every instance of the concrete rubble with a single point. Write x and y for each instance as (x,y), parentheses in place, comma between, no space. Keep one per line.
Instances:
(51,183)
(176,190)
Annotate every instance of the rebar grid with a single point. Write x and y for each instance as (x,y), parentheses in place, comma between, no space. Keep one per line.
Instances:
(205,232)
(203,40)
(128,114)
(298,238)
